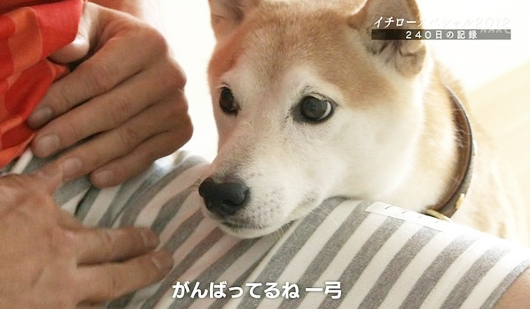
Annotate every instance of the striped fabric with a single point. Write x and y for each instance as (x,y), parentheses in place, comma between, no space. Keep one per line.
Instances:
(29,34)
(345,254)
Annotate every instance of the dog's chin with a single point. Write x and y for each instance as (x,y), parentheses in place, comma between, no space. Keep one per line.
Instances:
(247,232)
(242,229)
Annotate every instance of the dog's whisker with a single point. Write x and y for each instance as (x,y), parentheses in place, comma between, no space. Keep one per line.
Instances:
(320,212)
(279,233)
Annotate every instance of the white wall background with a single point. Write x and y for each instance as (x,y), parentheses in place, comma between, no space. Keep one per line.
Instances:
(473,62)
(187,27)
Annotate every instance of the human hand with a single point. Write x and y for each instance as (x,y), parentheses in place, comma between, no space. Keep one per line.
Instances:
(48,260)
(126,95)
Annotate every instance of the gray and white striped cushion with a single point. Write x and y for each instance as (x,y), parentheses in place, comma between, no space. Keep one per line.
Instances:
(382,256)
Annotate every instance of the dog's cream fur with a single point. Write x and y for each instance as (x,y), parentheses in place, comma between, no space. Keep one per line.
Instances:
(391,137)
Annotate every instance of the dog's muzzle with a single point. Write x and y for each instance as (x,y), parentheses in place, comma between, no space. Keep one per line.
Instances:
(225,198)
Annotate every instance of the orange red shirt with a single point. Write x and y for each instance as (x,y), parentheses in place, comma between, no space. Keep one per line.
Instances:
(29,32)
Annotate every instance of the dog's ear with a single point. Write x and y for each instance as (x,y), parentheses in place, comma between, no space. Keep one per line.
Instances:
(406,55)
(226,15)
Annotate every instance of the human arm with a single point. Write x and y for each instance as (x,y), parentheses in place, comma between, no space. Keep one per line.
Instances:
(517,296)
(48,260)
(127,95)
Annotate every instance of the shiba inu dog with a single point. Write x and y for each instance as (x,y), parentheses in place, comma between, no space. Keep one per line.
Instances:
(309,106)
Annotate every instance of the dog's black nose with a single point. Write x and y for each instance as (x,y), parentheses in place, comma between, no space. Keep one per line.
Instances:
(224,199)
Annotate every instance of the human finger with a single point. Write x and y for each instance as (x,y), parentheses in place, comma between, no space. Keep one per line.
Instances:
(100,283)
(105,112)
(80,47)
(139,159)
(67,221)
(122,141)
(168,134)
(91,306)
(98,74)
(94,246)
(49,177)
(90,79)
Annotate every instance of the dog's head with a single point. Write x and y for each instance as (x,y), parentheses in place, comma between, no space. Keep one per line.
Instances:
(307,107)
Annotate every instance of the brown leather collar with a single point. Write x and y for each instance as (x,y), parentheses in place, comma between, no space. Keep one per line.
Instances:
(466,153)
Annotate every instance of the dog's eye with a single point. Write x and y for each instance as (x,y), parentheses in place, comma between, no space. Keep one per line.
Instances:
(315,109)
(227,102)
